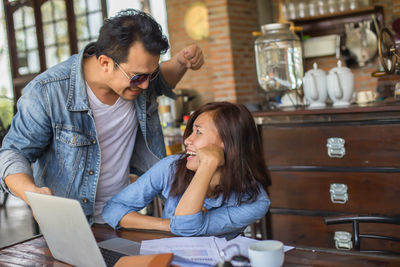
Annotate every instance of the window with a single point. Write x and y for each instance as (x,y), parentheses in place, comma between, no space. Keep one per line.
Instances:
(26,43)
(55,32)
(89,17)
(42,33)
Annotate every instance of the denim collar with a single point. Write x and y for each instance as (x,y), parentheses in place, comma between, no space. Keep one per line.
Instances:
(77,96)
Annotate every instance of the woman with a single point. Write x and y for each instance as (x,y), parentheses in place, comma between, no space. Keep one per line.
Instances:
(217,187)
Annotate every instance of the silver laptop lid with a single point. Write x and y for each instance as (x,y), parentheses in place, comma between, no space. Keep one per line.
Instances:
(66,230)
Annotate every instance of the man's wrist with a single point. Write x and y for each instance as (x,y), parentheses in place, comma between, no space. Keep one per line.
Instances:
(19,183)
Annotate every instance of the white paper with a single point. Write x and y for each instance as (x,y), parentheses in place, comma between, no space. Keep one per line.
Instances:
(199,251)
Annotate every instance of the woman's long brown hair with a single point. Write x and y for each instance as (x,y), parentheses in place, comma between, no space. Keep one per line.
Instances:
(244,164)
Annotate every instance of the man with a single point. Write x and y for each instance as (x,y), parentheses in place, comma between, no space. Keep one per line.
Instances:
(86,122)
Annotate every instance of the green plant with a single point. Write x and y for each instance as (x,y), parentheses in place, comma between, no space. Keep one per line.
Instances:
(6,110)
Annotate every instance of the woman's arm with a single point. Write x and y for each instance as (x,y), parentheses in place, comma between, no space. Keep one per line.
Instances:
(139,221)
(210,158)
(137,195)
(226,220)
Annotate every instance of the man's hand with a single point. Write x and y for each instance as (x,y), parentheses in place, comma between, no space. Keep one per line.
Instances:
(191,57)
(44,191)
(19,183)
(39,190)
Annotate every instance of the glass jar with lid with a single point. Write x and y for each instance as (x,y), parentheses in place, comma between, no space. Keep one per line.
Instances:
(279,58)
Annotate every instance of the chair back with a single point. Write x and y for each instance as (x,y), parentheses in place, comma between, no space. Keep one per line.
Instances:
(356,220)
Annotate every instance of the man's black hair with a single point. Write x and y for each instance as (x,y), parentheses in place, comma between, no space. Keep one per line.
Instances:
(120,32)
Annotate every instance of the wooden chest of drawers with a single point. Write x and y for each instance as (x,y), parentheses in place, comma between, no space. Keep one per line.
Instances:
(331,162)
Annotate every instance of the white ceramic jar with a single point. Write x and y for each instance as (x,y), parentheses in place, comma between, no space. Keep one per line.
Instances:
(314,86)
(340,83)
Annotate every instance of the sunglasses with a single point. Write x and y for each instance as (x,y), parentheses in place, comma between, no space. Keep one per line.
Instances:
(137,79)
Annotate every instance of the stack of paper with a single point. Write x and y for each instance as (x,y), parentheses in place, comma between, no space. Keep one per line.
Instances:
(199,251)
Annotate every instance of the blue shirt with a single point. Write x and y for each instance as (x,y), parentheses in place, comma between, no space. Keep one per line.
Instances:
(54,130)
(225,219)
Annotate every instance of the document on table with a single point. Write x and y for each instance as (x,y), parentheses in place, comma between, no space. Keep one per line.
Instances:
(202,250)
(198,251)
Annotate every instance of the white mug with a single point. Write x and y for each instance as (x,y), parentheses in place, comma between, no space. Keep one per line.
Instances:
(267,253)
(363,97)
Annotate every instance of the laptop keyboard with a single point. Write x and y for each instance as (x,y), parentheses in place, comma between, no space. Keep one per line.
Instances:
(110,257)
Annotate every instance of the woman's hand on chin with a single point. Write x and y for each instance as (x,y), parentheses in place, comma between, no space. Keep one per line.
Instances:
(211,155)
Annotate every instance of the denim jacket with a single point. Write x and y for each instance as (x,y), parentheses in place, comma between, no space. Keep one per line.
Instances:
(54,130)
(222,219)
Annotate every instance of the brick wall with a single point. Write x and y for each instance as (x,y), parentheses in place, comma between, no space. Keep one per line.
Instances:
(229,70)
(199,80)
(243,21)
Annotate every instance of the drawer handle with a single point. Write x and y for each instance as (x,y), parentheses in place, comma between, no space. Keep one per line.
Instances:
(343,240)
(336,147)
(339,193)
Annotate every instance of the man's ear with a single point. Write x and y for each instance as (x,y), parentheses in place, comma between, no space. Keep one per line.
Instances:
(106,63)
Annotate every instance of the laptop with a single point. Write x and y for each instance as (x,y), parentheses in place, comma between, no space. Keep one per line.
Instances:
(68,234)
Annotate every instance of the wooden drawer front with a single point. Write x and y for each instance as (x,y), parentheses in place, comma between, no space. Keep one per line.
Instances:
(312,231)
(366,145)
(368,193)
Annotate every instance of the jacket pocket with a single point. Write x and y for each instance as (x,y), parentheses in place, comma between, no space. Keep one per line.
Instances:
(72,138)
(72,151)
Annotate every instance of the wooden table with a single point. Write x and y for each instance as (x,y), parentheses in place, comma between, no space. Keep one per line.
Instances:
(35,252)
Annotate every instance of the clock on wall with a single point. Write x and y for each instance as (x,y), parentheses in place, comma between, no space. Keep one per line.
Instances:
(196,21)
